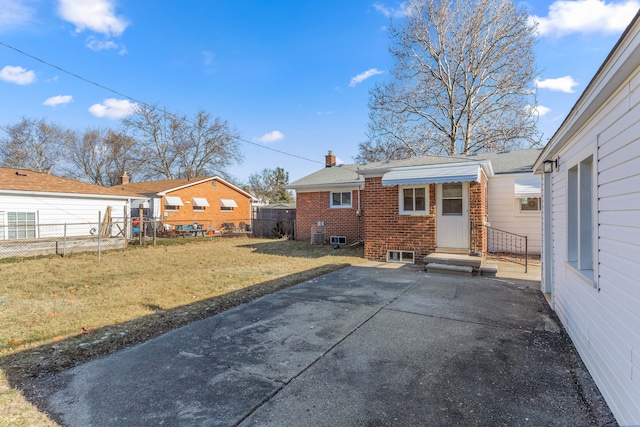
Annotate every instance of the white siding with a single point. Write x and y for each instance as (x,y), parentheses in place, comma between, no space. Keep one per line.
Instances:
(52,209)
(603,318)
(504,210)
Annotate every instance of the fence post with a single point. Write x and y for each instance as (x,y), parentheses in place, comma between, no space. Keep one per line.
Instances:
(155,231)
(140,227)
(99,233)
(64,244)
(526,254)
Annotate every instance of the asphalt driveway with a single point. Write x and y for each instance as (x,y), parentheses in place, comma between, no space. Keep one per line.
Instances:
(371,345)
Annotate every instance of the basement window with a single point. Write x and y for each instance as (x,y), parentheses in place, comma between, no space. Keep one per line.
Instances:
(338,240)
(400,256)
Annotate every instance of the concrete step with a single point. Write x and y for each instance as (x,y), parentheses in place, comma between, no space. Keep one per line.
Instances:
(488,270)
(453,270)
(454,259)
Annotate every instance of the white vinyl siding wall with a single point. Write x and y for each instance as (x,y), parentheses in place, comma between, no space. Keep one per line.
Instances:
(604,323)
(63,209)
(504,210)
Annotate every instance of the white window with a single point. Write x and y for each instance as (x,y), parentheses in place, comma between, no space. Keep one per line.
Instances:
(530,204)
(172,203)
(341,199)
(452,199)
(400,256)
(527,192)
(21,225)
(580,226)
(199,204)
(338,240)
(227,205)
(414,200)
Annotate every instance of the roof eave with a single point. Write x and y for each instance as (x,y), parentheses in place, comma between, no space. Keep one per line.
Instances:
(67,194)
(604,83)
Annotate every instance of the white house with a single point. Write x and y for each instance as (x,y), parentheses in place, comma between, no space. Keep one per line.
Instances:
(591,226)
(37,205)
(514,197)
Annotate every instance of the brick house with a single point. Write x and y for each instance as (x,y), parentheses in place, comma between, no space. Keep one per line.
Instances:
(405,209)
(208,201)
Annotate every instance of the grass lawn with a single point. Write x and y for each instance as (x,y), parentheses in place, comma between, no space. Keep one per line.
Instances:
(58,312)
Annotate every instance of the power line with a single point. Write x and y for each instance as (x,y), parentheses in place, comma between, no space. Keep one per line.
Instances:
(135,100)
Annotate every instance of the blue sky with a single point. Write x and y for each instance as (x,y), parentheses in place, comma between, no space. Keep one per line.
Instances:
(291,76)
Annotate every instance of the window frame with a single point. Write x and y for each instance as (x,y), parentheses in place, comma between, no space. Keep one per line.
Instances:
(401,257)
(427,196)
(342,205)
(581,197)
(28,226)
(531,211)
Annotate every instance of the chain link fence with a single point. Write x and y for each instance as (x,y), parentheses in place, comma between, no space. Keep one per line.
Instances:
(25,239)
(147,230)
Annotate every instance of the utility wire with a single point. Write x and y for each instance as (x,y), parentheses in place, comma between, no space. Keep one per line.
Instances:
(135,100)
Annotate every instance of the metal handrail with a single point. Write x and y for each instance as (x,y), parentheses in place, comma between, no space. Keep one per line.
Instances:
(501,242)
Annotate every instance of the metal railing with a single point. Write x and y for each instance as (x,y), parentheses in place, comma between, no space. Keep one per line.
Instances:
(511,246)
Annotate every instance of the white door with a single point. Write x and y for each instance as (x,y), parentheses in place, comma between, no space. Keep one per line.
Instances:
(452,221)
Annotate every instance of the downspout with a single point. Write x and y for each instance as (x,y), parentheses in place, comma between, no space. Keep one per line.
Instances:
(359,213)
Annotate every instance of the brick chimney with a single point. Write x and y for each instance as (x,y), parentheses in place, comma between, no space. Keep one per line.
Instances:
(124,179)
(330,159)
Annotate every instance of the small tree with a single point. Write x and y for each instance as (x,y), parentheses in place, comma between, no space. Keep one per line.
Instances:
(462,82)
(269,185)
(35,145)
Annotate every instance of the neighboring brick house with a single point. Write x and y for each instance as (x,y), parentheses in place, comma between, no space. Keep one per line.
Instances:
(208,201)
(406,209)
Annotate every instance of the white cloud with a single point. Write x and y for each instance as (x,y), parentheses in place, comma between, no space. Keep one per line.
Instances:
(113,108)
(208,57)
(539,110)
(364,76)
(274,136)
(97,45)
(586,16)
(561,84)
(324,113)
(393,12)
(95,15)
(58,100)
(15,13)
(17,75)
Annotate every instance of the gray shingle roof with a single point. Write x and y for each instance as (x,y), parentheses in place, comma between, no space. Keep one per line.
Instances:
(347,175)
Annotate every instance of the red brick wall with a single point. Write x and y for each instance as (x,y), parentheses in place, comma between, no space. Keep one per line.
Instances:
(386,230)
(381,226)
(315,206)
(212,214)
(479,213)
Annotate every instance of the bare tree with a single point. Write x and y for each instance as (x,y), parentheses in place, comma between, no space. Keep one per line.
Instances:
(207,146)
(102,156)
(174,146)
(158,134)
(462,82)
(34,144)
(269,185)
